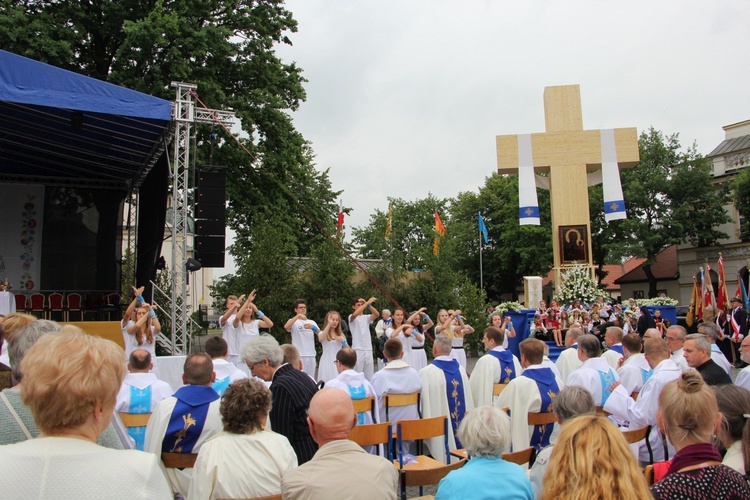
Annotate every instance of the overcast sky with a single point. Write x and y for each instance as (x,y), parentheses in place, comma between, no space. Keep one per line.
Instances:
(405,98)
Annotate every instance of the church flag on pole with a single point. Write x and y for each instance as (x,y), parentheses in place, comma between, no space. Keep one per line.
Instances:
(440,230)
(743,293)
(528,205)
(722,301)
(482,228)
(340,219)
(614,201)
(708,289)
(695,299)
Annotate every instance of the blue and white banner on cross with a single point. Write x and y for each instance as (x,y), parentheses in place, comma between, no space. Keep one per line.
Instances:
(528,205)
(614,201)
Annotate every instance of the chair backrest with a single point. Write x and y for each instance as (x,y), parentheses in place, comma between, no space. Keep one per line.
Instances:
(396,400)
(520,457)
(37,301)
(366,404)
(648,473)
(635,435)
(417,477)
(134,419)
(424,428)
(498,388)
(372,434)
(178,460)
(21,300)
(55,301)
(541,418)
(74,301)
(94,301)
(113,299)
(271,497)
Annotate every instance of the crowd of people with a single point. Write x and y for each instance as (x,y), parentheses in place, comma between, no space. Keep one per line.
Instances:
(253,418)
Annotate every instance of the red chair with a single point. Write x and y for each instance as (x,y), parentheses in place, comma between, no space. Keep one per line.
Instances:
(22,303)
(55,302)
(111,305)
(37,303)
(73,305)
(93,306)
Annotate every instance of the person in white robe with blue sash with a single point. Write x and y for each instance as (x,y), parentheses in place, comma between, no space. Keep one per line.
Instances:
(595,374)
(533,391)
(445,392)
(567,362)
(140,392)
(613,339)
(498,366)
(226,372)
(354,383)
(642,412)
(186,420)
(635,370)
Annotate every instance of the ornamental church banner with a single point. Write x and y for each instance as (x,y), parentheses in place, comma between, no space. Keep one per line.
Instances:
(22,209)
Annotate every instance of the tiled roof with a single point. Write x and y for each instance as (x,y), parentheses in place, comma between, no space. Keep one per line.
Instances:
(665,268)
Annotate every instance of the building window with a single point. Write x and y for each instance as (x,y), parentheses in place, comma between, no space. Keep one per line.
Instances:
(638,294)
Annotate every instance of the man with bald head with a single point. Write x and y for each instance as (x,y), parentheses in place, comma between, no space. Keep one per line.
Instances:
(340,468)
(613,338)
(568,362)
(642,412)
(652,333)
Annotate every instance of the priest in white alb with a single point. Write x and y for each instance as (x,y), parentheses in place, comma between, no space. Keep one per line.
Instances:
(354,383)
(595,374)
(642,412)
(613,339)
(498,366)
(533,391)
(445,391)
(396,377)
(567,362)
(634,370)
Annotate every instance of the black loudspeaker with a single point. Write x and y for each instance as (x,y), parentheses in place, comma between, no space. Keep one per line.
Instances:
(210,215)
(209,250)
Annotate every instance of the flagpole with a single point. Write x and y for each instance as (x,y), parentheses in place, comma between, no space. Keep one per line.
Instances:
(481,275)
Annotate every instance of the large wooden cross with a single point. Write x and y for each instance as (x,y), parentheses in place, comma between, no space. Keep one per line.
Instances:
(568,153)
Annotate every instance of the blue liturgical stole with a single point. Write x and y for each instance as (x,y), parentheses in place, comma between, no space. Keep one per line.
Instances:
(548,389)
(607,380)
(140,402)
(188,418)
(617,348)
(220,386)
(507,367)
(646,374)
(358,393)
(454,393)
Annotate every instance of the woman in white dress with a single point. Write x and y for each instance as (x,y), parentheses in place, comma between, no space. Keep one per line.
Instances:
(248,322)
(143,332)
(455,328)
(403,331)
(417,321)
(333,339)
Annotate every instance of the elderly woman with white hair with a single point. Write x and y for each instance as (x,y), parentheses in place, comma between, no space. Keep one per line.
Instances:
(485,432)
(70,383)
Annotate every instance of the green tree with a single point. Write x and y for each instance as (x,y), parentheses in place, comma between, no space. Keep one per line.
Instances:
(669,200)
(741,197)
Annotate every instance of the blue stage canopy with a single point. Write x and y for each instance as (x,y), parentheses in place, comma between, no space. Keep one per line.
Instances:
(59,127)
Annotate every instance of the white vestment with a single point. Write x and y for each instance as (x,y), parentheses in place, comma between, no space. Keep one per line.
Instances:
(226,373)
(396,378)
(642,412)
(245,332)
(632,372)
(588,376)
(567,362)
(678,357)
(159,390)
(362,343)
(612,357)
(435,403)
(546,362)
(743,378)
(241,466)
(522,397)
(486,373)
(720,359)
(352,382)
(157,427)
